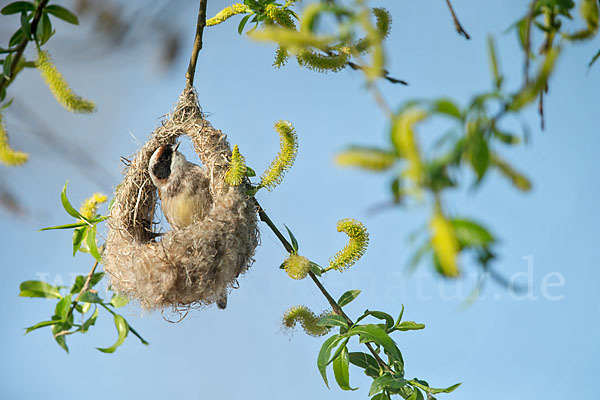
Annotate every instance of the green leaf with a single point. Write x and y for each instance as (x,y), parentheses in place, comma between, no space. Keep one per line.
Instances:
(44,29)
(366,362)
(427,389)
(347,297)
(593,60)
(62,13)
(62,308)
(341,370)
(387,381)
(400,316)
(91,243)
(122,330)
(38,289)
(243,23)
(118,300)
(389,320)
(25,27)
(17,7)
(78,235)
(90,297)
(90,321)
(250,172)
(6,66)
(62,339)
(376,334)
(41,325)
(479,153)
(447,107)
(292,238)
(66,226)
(471,234)
(332,320)
(67,204)
(325,353)
(409,326)
(316,269)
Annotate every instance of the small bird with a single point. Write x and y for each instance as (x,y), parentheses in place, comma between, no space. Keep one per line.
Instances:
(183,189)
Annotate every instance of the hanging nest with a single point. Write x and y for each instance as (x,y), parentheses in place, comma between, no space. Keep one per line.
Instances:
(186,267)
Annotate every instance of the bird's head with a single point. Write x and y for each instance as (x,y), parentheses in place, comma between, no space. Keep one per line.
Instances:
(165,164)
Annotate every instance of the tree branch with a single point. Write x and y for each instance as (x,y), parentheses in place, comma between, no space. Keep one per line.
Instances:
(189,75)
(85,288)
(334,305)
(20,49)
(457,24)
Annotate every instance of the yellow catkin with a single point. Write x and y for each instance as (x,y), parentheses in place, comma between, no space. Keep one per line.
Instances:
(356,247)
(227,13)
(8,156)
(296,266)
(292,39)
(445,244)
(237,168)
(281,57)
(307,319)
(89,207)
(403,138)
(59,86)
(366,158)
(322,62)
(383,24)
(286,157)
(280,16)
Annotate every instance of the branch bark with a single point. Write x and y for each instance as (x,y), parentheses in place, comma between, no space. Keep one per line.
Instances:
(457,24)
(191,71)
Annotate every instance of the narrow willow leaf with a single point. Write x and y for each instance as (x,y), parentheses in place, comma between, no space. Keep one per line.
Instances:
(91,244)
(62,307)
(365,361)
(38,289)
(78,236)
(332,320)
(325,353)
(41,325)
(446,107)
(90,321)
(118,300)
(17,7)
(90,297)
(376,334)
(122,330)
(348,297)
(387,381)
(341,370)
(62,13)
(67,204)
(409,326)
(430,390)
(66,226)
(469,233)
(61,340)
(292,238)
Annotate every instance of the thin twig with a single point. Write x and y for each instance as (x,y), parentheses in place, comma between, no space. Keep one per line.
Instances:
(189,75)
(85,288)
(5,81)
(457,24)
(334,305)
(386,73)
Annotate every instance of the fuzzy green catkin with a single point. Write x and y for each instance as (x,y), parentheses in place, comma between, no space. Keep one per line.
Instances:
(366,158)
(59,86)
(307,319)
(8,156)
(296,266)
(286,157)
(321,62)
(281,57)
(237,168)
(383,24)
(280,16)
(292,39)
(227,13)
(356,247)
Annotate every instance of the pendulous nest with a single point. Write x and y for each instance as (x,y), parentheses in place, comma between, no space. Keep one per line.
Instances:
(186,267)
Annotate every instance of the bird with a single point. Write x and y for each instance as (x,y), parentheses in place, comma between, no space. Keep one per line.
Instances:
(183,189)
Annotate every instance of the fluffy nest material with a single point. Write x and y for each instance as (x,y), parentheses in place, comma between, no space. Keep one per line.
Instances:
(186,267)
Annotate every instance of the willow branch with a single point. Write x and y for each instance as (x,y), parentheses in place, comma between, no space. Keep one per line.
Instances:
(85,288)
(189,75)
(334,305)
(457,24)
(20,49)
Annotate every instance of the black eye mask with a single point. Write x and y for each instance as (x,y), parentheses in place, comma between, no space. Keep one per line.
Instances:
(162,167)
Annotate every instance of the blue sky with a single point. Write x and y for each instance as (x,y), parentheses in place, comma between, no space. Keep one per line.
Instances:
(499,347)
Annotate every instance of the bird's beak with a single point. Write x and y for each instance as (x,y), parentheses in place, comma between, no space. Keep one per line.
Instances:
(176,146)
